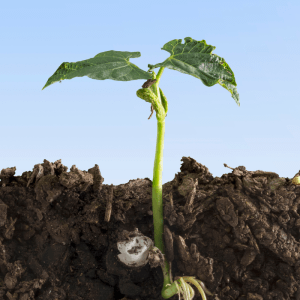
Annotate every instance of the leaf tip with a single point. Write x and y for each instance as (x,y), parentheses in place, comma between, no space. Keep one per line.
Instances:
(188,39)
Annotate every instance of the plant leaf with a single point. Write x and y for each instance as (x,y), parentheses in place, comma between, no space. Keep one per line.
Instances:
(164,101)
(148,95)
(195,58)
(112,64)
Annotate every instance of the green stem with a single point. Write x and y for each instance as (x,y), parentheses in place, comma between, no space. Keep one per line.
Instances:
(170,290)
(154,87)
(159,75)
(157,204)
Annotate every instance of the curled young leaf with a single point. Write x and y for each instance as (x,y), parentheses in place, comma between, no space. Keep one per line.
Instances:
(164,101)
(149,96)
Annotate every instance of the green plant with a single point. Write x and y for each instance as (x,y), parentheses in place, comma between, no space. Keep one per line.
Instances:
(193,58)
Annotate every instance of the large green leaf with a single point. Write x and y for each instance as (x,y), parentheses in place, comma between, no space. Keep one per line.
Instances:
(195,58)
(112,64)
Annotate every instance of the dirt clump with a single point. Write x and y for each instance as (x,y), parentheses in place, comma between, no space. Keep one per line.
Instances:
(239,234)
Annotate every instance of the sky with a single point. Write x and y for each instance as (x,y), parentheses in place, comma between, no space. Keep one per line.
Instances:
(84,122)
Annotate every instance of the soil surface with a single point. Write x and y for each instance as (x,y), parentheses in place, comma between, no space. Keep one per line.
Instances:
(239,234)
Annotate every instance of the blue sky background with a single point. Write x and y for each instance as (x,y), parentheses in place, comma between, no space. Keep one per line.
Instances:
(85,122)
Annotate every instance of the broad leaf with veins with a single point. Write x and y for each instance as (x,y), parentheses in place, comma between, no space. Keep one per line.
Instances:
(195,58)
(112,64)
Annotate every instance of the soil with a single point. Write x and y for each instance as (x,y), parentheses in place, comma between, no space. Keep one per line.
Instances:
(239,234)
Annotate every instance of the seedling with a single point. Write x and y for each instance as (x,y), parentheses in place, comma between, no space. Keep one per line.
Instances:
(193,58)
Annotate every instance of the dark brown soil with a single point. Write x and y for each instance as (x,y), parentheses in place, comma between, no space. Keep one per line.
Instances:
(239,234)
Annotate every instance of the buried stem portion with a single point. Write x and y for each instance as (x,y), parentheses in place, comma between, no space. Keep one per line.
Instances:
(172,289)
(180,286)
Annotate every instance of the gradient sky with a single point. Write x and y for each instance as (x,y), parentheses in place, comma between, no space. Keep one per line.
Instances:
(85,122)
